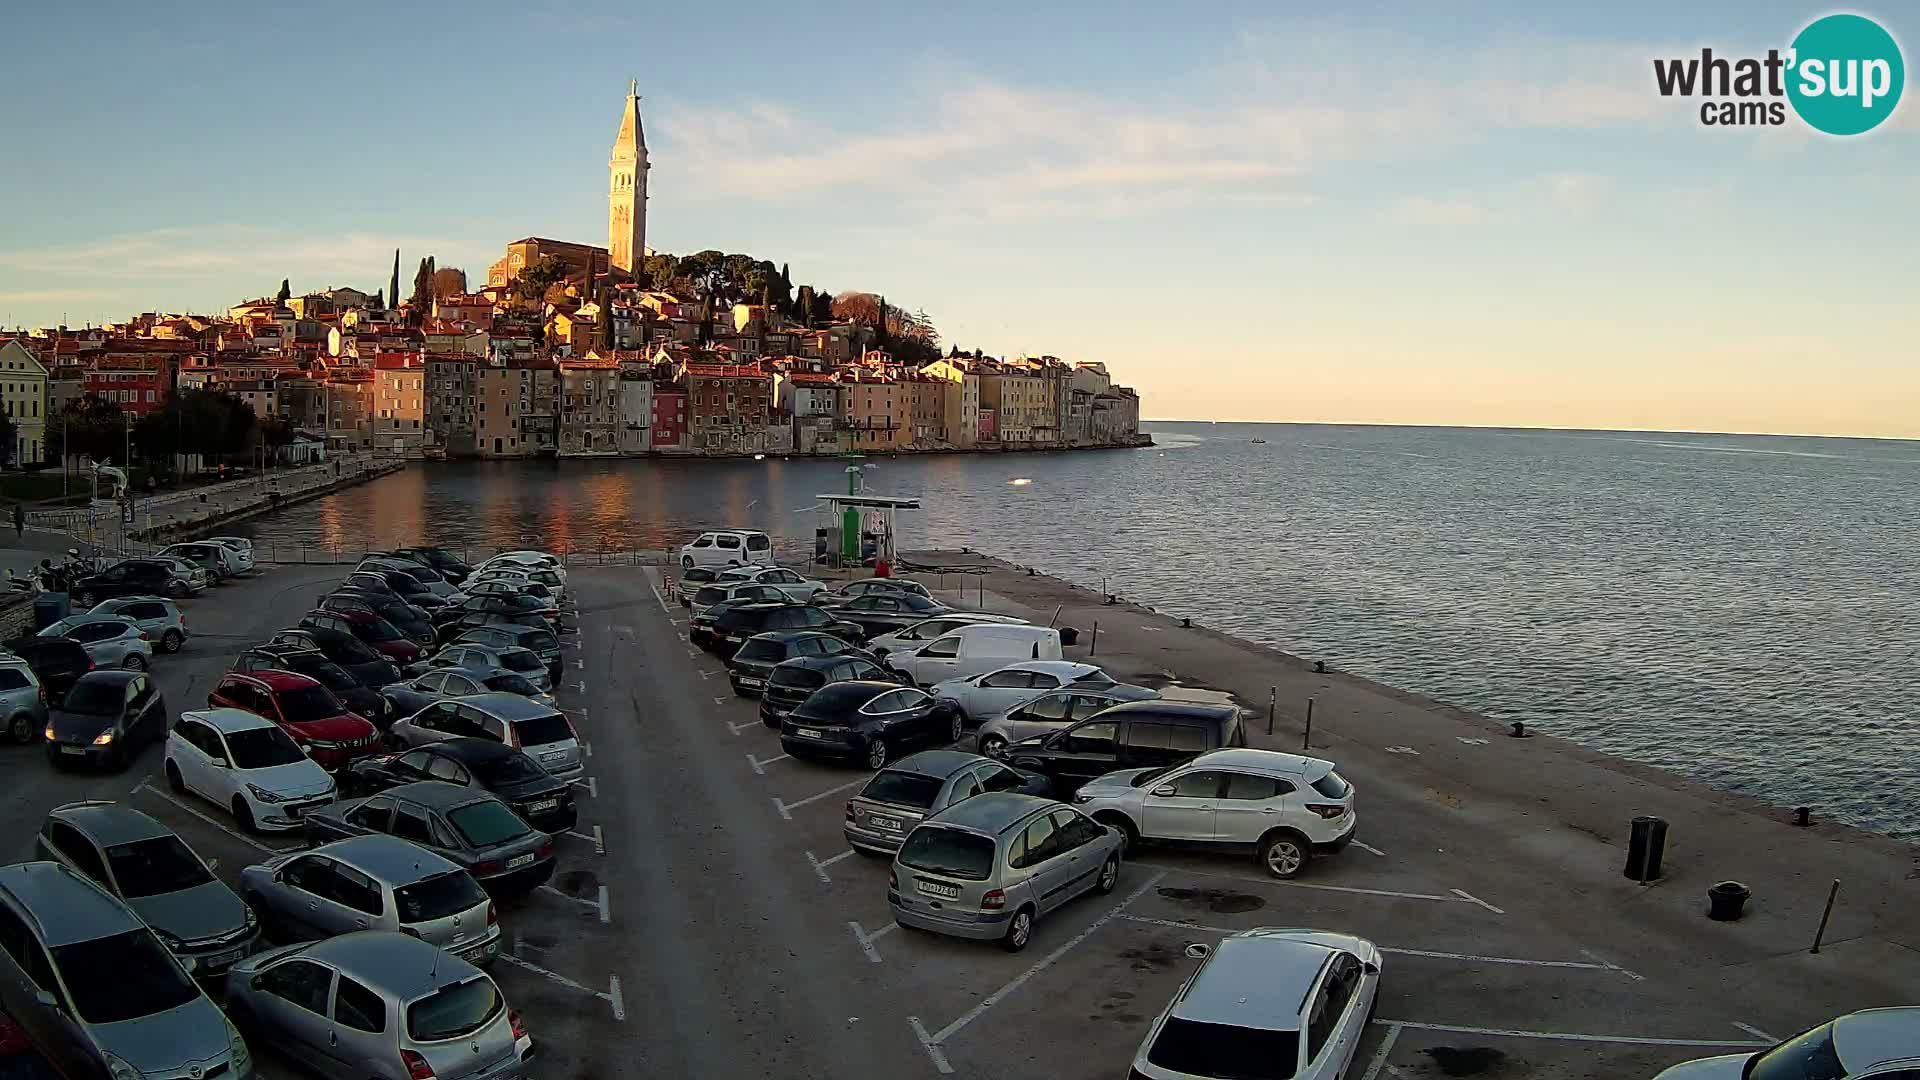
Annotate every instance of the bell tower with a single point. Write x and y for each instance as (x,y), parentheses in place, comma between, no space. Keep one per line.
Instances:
(627,189)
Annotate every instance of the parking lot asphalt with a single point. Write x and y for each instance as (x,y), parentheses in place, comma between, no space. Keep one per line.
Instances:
(707,917)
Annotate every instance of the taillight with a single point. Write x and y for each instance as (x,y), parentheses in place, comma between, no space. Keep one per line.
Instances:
(1327,810)
(545,849)
(493,914)
(489,866)
(893,879)
(513,1021)
(994,900)
(849,811)
(143,635)
(417,1067)
(411,932)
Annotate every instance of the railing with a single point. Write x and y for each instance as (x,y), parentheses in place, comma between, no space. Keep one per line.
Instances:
(282,553)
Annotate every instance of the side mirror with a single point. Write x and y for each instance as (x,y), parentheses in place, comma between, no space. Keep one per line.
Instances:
(213,865)
(46,999)
(218,763)
(1164,791)
(1371,969)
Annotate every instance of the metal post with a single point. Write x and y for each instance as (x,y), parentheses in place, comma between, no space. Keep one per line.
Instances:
(1273,692)
(1825,915)
(1094,648)
(1306,737)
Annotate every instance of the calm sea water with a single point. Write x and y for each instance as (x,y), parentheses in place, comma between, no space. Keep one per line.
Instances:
(1741,609)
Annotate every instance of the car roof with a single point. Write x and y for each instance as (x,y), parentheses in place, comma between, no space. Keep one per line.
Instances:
(117,601)
(388,858)
(506,706)
(436,794)
(819,663)
(788,635)
(227,721)
(285,650)
(109,822)
(1068,670)
(82,618)
(1256,979)
(938,764)
(1272,762)
(1871,1036)
(1171,708)
(470,750)
(67,907)
(992,812)
(116,677)
(398,964)
(282,680)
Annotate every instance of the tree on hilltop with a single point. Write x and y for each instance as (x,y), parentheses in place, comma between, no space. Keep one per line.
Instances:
(449,281)
(285,293)
(422,297)
(538,277)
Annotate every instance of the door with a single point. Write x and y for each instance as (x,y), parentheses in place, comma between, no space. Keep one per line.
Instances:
(1043,715)
(1079,753)
(1147,744)
(412,765)
(78,852)
(1249,806)
(369,817)
(25,971)
(192,751)
(999,691)
(303,904)
(1073,835)
(1182,806)
(292,1000)
(1047,874)
(146,717)
(1330,1036)
(360,1043)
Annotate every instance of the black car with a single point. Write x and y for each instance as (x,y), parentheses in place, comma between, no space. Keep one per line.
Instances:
(311,662)
(498,604)
(444,562)
(700,627)
(1136,734)
(57,662)
(135,577)
(883,613)
(454,628)
(517,779)
(359,658)
(105,719)
(870,587)
(438,684)
(405,618)
(749,666)
(867,721)
(794,681)
(425,575)
(735,625)
(399,583)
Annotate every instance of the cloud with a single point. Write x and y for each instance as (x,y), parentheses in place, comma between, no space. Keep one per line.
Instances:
(1421,210)
(221,250)
(48,296)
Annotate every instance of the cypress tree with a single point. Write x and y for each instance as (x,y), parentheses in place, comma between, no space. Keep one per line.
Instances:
(393,284)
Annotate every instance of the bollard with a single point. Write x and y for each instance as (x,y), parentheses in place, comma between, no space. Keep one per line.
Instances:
(1093,648)
(1320,667)
(1186,624)
(1825,915)
(1306,737)
(1518,731)
(1803,816)
(1725,901)
(1646,844)
(1272,692)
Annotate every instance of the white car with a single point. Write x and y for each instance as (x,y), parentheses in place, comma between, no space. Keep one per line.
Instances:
(796,587)
(1269,1003)
(1284,806)
(1870,1043)
(242,549)
(927,630)
(526,560)
(981,696)
(248,765)
(730,547)
(518,576)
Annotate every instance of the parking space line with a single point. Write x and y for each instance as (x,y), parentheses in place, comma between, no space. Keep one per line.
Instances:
(1472,899)
(786,808)
(1364,846)
(615,999)
(236,834)
(1460,898)
(1755,1032)
(568,896)
(693,654)
(866,940)
(820,865)
(606,913)
(592,785)
(709,674)
(1380,1056)
(598,839)
(932,1048)
(761,766)
(1568,1036)
(1604,962)
(719,701)
(745,724)
(611,995)
(1431,954)
(663,600)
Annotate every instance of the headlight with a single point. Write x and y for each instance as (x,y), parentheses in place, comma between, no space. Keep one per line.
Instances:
(49,732)
(105,738)
(169,940)
(319,744)
(264,795)
(252,919)
(1079,798)
(237,1049)
(120,1070)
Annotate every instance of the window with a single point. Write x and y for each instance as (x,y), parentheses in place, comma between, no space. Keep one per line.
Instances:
(358,1007)
(371,814)
(447,769)
(1004,679)
(1198,785)
(1036,845)
(1091,738)
(948,852)
(1808,1056)
(77,850)
(1332,786)
(1188,739)
(1074,829)
(1331,1003)
(301,982)
(356,890)
(998,778)
(411,824)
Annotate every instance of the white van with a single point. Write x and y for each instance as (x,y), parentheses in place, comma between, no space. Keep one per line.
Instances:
(728,547)
(973,649)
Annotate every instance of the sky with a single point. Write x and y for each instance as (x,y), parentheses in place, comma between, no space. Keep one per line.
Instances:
(1403,213)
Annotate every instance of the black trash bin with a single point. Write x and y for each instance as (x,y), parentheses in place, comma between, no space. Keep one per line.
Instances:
(1646,845)
(49,608)
(1726,901)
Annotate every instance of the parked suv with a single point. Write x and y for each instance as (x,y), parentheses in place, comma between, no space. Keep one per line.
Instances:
(748,668)
(1136,734)
(543,731)
(160,618)
(56,662)
(379,634)
(135,577)
(111,640)
(23,703)
(318,722)
(356,656)
(540,642)
(1286,807)
(314,664)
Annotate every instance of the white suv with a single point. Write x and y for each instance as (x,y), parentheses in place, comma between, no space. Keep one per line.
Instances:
(727,548)
(1286,807)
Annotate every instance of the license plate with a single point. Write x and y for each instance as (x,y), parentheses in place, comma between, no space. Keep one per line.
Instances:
(520,860)
(224,958)
(744,681)
(473,951)
(544,804)
(556,755)
(934,888)
(78,751)
(298,812)
(886,824)
(807,733)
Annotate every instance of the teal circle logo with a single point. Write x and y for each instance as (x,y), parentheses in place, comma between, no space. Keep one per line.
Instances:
(1845,74)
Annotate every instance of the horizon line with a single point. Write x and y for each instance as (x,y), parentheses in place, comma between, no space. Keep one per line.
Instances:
(1531,427)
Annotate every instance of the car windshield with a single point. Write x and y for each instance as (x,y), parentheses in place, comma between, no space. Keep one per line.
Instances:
(542,730)
(163,864)
(304,703)
(1224,1050)
(520,660)
(514,768)
(122,977)
(95,697)
(540,639)
(902,789)
(380,629)
(438,897)
(1808,1056)
(1333,786)
(950,852)
(796,676)
(837,700)
(510,683)
(262,748)
(762,650)
(710,595)
(351,651)
(484,824)
(454,1011)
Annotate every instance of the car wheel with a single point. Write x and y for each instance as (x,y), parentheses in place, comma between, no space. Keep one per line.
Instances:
(174,781)
(21,729)
(877,753)
(686,562)
(1109,875)
(956,728)
(1019,930)
(133,661)
(993,746)
(1129,836)
(243,814)
(1284,854)
(170,641)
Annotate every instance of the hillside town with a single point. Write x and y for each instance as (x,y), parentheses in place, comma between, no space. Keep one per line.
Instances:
(569,350)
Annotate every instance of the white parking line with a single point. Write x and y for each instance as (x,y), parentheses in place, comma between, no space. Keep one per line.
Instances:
(598,839)
(693,654)
(1755,1032)
(820,865)
(786,809)
(581,686)
(579,663)
(1568,1036)
(927,1043)
(1604,962)
(719,701)
(569,896)
(1364,846)
(1380,1056)
(614,998)
(744,725)
(1466,958)
(592,785)
(236,834)
(606,913)
(662,599)
(761,766)
(611,995)
(710,674)
(866,940)
(1472,899)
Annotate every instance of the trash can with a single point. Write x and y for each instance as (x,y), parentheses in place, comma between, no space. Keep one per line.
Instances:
(882,568)
(1726,901)
(1646,845)
(49,608)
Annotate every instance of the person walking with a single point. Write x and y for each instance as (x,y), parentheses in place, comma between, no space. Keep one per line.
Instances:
(19,520)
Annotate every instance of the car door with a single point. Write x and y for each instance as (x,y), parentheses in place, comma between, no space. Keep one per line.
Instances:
(192,750)
(297,894)
(1148,743)
(414,825)
(370,816)
(1076,755)
(435,723)
(997,777)
(292,999)
(25,971)
(149,614)
(932,663)
(147,709)
(919,716)
(360,1043)
(459,685)
(1249,805)
(1046,874)
(1043,715)
(447,770)
(998,691)
(1181,806)
(1074,834)
(1331,1038)
(69,845)
(411,766)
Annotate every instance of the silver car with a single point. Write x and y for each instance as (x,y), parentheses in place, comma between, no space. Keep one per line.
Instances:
(541,730)
(523,662)
(98,993)
(799,589)
(374,882)
(23,703)
(166,627)
(242,549)
(899,796)
(991,866)
(110,640)
(1042,715)
(189,578)
(381,1005)
(928,629)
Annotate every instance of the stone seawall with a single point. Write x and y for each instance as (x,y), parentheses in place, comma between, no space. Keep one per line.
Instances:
(197,518)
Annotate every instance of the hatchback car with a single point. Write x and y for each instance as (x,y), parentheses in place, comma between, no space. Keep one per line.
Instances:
(438,684)
(547,803)
(902,794)
(380,635)
(989,867)
(150,869)
(792,682)
(1869,1044)
(522,662)
(866,721)
(473,828)
(554,581)
(409,620)
(456,627)
(1052,711)
(500,604)
(375,1004)
(444,562)
(313,663)
(372,669)
(23,702)
(886,613)
(1267,1003)
(219,561)
(397,585)
(326,729)
(525,560)
(96,991)
(749,666)
(498,587)
(870,586)
(374,882)
(543,731)
(165,625)
(541,642)
(738,622)
(110,640)
(798,589)
(993,693)
(690,581)
(105,720)
(134,577)
(189,578)
(242,549)
(248,765)
(719,592)
(434,581)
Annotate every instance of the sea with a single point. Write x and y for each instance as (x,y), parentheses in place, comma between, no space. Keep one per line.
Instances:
(1744,610)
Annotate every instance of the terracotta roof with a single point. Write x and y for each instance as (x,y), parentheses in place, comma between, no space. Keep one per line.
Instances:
(726,371)
(812,378)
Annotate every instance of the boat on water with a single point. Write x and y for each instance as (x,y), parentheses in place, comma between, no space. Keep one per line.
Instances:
(1257,440)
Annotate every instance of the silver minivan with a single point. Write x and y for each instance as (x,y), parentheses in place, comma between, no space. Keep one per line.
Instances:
(988,868)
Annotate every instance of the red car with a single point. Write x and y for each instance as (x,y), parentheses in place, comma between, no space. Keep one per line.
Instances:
(384,637)
(329,733)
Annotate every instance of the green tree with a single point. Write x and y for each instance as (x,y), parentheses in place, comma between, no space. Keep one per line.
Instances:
(393,286)
(537,278)
(449,281)
(661,270)
(285,293)
(8,437)
(91,426)
(422,297)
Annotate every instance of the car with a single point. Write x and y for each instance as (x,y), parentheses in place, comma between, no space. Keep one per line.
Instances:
(1130,735)
(1042,715)
(729,547)
(522,662)
(341,647)
(917,786)
(411,621)
(188,578)
(988,868)
(325,729)
(691,578)
(92,986)
(866,721)
(543,731)
(219,561)
(792,682)
(242,549)
(700,626)
(1285,808)
(23,701)
(56,662)
(976,649)
(134,577)
(149,868)
(160,618)
(1883,1043)
(541,642)
(379,634)
(749,666)
(890,586)
(797,588)
(1267,1002)
(438,684)
(994,692)
(374,882)
(400,584)
(535,794)
(378,1004)
(918,634)
(732,627)
(503,604)
(105,719)
(525,560)
(475,829)
(110,640)
(444,562)
(434,581)
(458,626)
(245,764)
(313,663)
(885,613)
(720,592)
(501,587)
